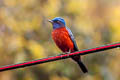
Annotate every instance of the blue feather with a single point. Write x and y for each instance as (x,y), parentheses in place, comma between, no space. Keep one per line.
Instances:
(72,38)
(63,24)
(56,24)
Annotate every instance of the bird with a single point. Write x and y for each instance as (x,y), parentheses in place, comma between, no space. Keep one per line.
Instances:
(65,40)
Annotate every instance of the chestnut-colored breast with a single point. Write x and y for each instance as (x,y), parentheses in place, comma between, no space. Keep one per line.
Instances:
(62,39)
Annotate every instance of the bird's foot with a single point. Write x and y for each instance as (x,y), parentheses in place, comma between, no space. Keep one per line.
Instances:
(68,53)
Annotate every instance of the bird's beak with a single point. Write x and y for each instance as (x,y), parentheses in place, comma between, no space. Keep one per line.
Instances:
(50,21)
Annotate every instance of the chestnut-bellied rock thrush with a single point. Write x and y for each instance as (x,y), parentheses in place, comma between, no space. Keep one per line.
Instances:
(64,39)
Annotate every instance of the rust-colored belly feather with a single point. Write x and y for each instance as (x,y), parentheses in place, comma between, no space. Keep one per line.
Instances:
(62,39)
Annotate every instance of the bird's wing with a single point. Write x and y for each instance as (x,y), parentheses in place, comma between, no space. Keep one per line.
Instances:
(72,38)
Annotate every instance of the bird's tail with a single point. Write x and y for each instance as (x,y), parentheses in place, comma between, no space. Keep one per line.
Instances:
(82,66)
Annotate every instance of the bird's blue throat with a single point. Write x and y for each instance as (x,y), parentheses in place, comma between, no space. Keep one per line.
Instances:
(56,25)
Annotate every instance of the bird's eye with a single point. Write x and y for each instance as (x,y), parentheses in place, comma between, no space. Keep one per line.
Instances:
(58,21)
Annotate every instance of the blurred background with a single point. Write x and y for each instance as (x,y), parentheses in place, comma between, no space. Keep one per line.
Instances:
(25,35)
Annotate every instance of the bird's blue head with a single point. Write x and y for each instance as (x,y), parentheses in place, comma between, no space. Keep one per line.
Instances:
(57,22)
